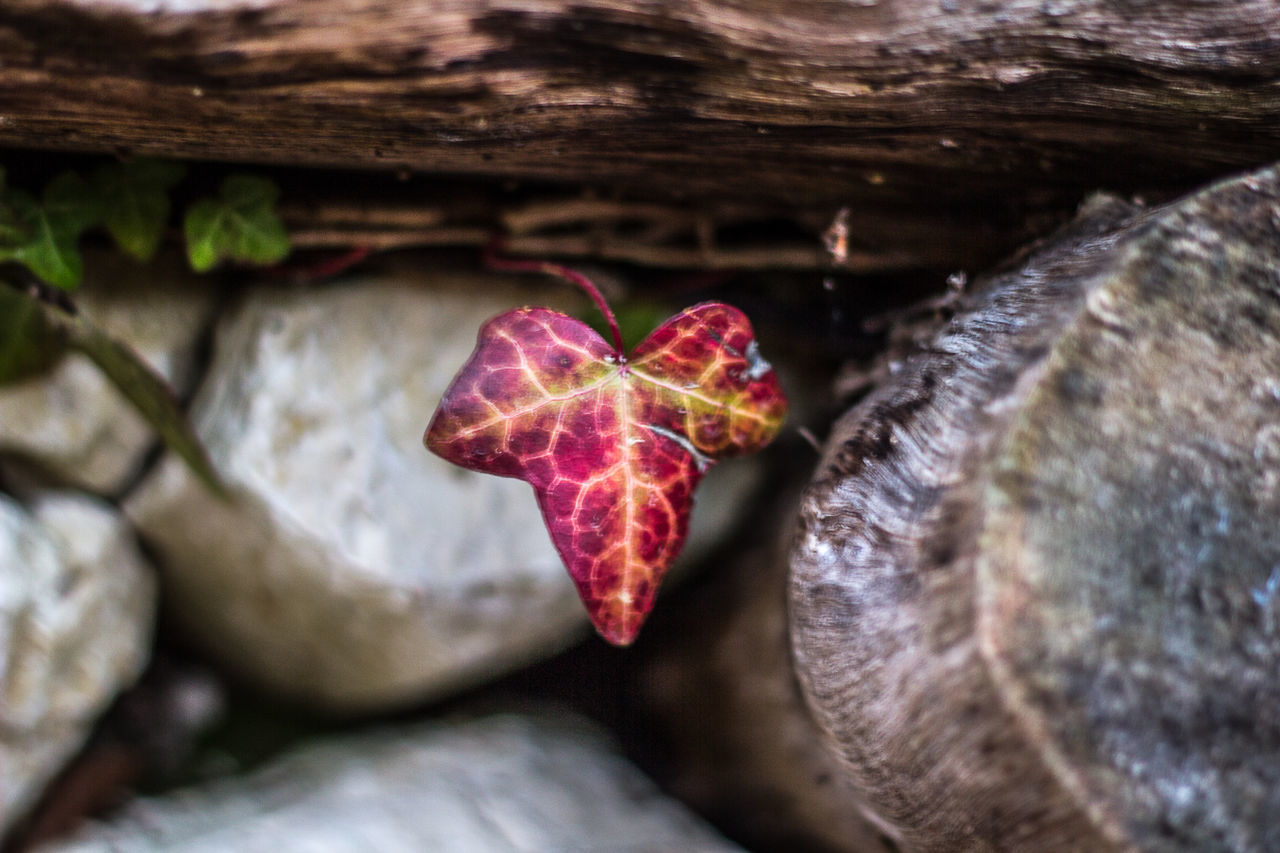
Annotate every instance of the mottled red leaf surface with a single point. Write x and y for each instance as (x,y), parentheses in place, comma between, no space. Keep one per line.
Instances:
(613,447)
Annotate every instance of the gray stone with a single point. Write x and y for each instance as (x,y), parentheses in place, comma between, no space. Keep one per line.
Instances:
(503,783)
(74,423)
(353,568)
(76,609)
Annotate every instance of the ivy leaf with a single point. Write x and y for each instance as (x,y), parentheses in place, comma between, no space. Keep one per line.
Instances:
(29,344)
(612,446)
(240,225)
(52,228)
(13,229)
(71,203)
(138,208)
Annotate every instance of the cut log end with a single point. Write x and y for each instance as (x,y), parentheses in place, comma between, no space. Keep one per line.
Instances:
(1034,589)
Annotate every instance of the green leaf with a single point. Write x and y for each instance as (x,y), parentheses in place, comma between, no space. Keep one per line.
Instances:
(13,230)
(240,225)
(29,344)
(37,244)
(204,226)
(635,319)
(136,202)
(72,203)
(53,227)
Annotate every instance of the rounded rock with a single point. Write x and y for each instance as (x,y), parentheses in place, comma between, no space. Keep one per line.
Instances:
(77,603)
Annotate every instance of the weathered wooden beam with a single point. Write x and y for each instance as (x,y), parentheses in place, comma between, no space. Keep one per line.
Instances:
(948,110)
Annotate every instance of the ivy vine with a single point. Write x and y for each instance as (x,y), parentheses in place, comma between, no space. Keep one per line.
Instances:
(40,264)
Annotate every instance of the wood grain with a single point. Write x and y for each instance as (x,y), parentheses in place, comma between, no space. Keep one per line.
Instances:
(945,111)
(1034,589)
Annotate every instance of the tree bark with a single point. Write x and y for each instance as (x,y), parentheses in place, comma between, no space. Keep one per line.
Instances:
(741,746)
(937,112)
(1037,581)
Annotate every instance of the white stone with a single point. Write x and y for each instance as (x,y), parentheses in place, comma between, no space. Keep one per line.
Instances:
(74,422)
(76,609)
(352,567)
(503,783)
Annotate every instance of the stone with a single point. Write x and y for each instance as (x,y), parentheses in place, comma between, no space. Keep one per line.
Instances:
(500,783)
(74,423)
(351,568)
(77,603)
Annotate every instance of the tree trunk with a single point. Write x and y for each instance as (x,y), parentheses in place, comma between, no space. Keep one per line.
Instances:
(1037,582)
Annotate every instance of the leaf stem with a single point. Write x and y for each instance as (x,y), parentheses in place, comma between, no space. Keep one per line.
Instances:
(493,261)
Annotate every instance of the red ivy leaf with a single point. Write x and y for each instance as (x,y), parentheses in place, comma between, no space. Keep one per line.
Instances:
(613,447)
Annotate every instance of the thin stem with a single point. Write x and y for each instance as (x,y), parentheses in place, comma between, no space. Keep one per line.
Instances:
(493,261)
(327,268)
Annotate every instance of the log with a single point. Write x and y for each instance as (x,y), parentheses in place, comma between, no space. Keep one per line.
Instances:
(1036,587)
(935,112)
(739,744)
